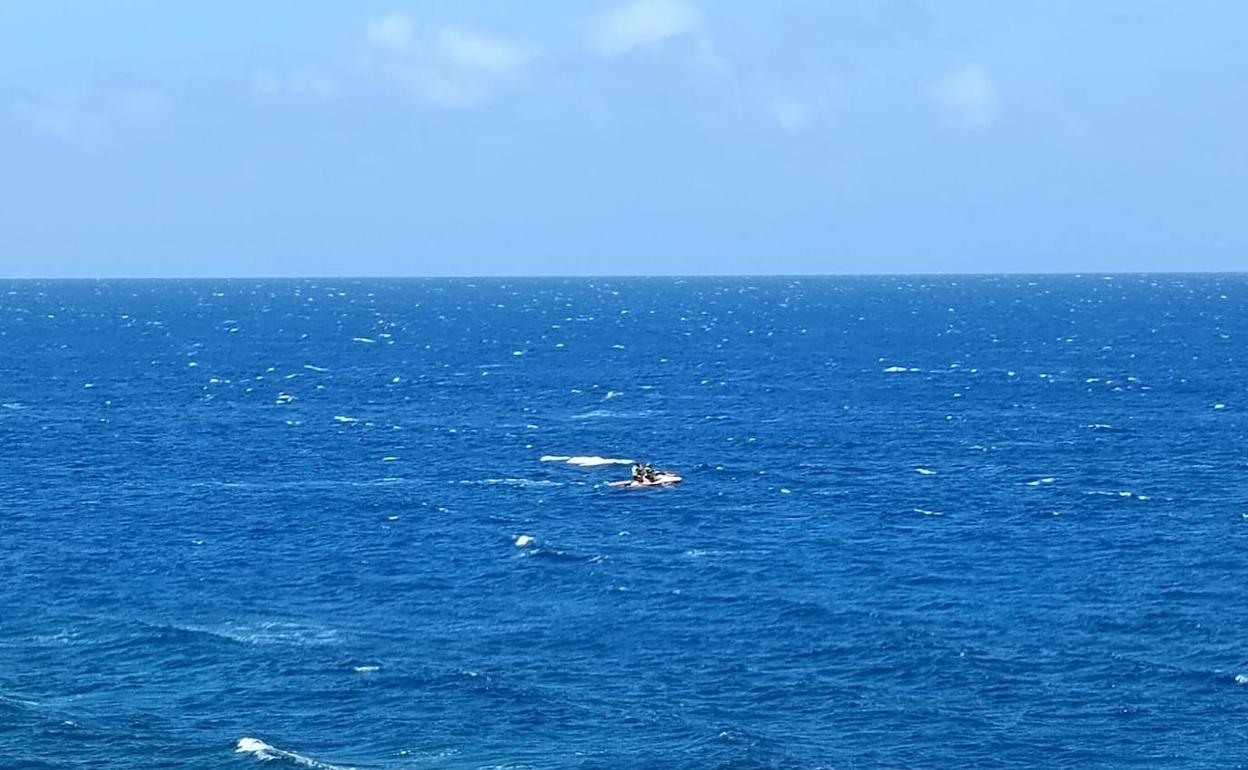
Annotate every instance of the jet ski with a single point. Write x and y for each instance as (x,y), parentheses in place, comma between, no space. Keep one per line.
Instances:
(661,479)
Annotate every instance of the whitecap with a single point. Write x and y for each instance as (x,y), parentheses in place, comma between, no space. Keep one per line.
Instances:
(367,669)
(266,753)
(365,340)
(310,367)
(928,513)
(524,540)
(511,482)
(896,369)
(344,418)
(1038,482)
(925,471)
(587,461)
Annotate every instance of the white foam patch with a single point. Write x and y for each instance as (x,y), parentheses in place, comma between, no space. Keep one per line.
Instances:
(365,340)
(1241,679)
(899,369)
(925,471)
(266,753)
(312,368)
(585,461)
(524,540)
(367,669)
(344,418)
(274,633)
(513,482)
(928,513)
(1038,482)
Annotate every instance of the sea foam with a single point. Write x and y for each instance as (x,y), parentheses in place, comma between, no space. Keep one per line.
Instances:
(585,461)
(266,753)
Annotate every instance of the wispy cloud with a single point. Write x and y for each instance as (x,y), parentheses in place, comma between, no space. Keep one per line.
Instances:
(85,114)
(298,83)
(449,67)
(652,25)
(58,114)
(967,98)
(793,115)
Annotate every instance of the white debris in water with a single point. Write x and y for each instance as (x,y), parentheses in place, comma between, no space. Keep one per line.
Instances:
(524,540)
(925,471)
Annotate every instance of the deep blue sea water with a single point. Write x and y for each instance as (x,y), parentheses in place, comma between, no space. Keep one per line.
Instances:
(927,522)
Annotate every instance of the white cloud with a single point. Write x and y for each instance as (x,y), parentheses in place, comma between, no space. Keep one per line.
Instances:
(644,24)
(967,98)
(299,83)
(396,33)
(140,104)
(447,68)
(84,115)
(652,25)
(792,115)
(58,114)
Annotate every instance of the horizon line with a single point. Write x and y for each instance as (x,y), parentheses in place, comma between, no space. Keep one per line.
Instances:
(633,276)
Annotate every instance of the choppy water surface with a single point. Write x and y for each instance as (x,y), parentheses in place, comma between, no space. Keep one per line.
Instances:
(955,522)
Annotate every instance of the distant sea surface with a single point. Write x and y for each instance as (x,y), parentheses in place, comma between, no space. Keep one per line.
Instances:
(979,522)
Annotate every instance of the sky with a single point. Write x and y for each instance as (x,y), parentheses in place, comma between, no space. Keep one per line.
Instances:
(146,138)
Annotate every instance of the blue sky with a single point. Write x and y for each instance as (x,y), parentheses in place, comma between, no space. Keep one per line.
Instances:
(653,137)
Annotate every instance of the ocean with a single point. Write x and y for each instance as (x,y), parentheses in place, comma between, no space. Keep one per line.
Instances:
(926,522)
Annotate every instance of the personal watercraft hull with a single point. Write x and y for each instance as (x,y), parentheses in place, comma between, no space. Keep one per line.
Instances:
(660,480)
